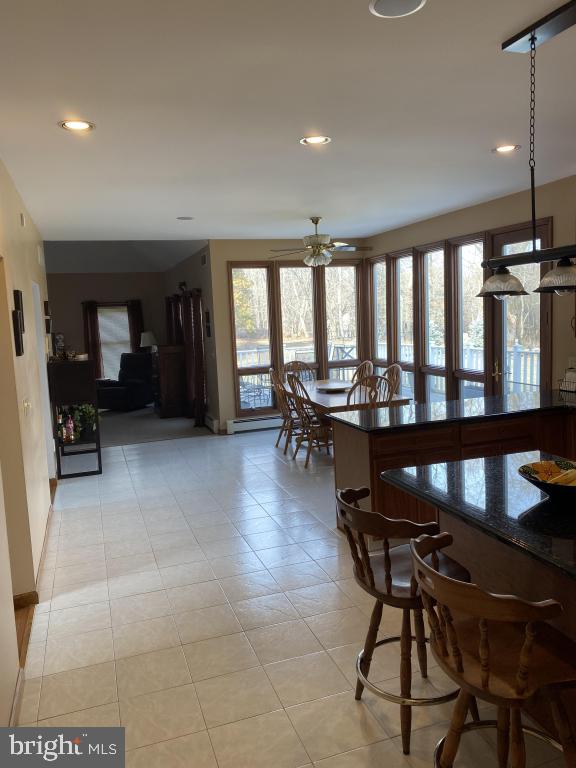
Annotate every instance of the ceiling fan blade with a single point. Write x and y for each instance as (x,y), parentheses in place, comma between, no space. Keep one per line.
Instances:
(343,248)
(287,250)
(287,253)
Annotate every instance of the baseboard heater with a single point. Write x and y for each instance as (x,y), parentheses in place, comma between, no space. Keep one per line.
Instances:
(248,425)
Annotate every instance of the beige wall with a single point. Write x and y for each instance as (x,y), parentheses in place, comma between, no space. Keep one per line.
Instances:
(8,646)
(196,272)
(557,200)
(67,291)
(23,456)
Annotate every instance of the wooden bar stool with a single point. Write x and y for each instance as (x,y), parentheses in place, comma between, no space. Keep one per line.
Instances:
(497,648)
(387,576)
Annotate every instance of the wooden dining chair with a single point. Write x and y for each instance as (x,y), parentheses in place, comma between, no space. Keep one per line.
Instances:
(371,391)
(394,375)
(387,576)
(300,369)
(285,404)
(313,430)
(365,368)
(497,648)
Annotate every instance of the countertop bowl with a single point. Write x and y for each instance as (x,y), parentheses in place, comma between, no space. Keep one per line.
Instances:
(540,473)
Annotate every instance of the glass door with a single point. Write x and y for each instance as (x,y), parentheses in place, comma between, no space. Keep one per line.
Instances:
(521,324)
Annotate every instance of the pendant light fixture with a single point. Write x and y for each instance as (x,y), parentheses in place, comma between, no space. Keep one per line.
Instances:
(562,278)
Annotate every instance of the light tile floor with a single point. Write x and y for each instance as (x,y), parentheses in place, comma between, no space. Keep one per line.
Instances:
(198,594)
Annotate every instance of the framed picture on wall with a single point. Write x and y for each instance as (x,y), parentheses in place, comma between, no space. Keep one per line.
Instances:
(19,306)
(18,326)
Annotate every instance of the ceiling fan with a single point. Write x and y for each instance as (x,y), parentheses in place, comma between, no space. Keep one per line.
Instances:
(319,249)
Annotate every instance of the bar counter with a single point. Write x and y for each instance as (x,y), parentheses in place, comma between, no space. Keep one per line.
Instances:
(369,442)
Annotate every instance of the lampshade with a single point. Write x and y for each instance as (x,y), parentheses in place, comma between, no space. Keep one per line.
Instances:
(561,279)
(147,339)
(502,284)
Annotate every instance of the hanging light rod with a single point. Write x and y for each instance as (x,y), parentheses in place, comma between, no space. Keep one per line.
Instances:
(545,29)
(560,279)
(532,257)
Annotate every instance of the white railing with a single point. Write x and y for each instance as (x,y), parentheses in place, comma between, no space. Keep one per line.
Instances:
(522,367)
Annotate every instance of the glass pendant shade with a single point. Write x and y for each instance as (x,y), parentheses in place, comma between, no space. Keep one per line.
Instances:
(502,284)
(318,258)
(560,280)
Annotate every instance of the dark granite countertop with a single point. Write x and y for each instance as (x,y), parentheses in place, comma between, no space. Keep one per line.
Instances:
(415,415)
(489,494)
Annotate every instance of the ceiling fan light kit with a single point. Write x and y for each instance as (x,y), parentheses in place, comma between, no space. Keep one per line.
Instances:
(319,248)
(562,278)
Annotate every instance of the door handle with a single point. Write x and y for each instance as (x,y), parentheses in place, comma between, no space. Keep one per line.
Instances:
(497,373)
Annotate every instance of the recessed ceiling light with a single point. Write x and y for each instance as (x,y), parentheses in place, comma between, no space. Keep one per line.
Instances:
(185,218)
(78,126)
(311,141)
(395,9)
(506,149)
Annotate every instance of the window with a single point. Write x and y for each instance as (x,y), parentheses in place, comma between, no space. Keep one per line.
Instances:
(250,287)
(114,332)
(380,324)
(297,307)
(434,319)
(405,309)
(286,311)
(341,313)
(250,291)
(521,326)
(450,343)
(470,309)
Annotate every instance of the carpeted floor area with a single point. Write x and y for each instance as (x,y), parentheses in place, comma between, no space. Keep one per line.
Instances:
(143,426)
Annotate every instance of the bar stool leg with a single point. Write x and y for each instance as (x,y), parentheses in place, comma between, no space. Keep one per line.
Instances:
(474,714)
(503,736)
(421,642)
(454,734)
(406,679)
(369,645)
(517,746)
(565,734)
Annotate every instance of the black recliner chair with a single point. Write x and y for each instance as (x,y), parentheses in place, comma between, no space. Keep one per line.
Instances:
(133,389)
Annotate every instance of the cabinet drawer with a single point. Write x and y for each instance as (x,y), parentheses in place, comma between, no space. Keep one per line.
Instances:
(417,440)
(499,430)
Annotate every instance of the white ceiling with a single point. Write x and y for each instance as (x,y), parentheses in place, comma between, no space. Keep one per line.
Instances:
(120,256)
(199,106)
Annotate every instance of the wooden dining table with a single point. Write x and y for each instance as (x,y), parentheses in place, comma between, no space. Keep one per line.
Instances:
(331,396)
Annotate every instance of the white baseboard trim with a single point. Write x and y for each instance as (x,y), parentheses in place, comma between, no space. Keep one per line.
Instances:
(212,423)
(17,698)
(234,426)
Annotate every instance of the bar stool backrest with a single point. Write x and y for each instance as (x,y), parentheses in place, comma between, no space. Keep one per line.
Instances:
(365,368)
(300,369)
(359,523)
(444,598)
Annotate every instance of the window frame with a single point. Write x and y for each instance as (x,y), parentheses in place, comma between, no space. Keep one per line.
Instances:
(453,372)
(322,365)
(272,329)
(111,305)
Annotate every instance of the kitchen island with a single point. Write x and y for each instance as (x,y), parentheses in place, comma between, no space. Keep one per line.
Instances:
(368,442)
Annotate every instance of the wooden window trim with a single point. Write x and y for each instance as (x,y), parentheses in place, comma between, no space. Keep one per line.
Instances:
(491,240)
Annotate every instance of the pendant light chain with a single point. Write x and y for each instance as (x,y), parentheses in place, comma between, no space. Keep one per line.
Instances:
(532,133)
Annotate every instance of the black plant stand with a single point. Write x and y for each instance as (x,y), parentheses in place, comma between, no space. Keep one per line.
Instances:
(73,383)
